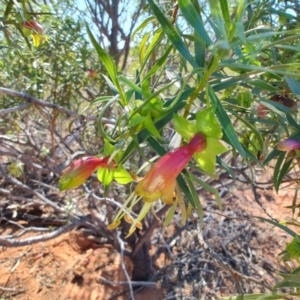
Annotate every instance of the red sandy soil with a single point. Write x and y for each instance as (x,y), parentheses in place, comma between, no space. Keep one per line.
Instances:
(71,266)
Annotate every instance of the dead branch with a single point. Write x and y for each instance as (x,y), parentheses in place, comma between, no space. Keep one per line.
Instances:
(28,189)
(14,109)
(122,249)
(41,103)
(137,283)
(45,237)
(225,266)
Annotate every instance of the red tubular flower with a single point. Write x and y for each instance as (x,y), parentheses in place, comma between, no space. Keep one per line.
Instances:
(80,170)
(160,181)
(288,145)
(34,26)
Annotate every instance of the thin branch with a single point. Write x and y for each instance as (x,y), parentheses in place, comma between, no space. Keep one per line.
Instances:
(109,200)
(13,109)
(257,196)
(40,196)
(44,237)
(41,103)
(122,249)
(224,265)
(2,288)
(8,195)
(149,231)
(138,283)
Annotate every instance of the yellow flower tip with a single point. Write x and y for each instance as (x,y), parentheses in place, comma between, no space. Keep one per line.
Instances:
(128,219)
(113,225)
(131,231)
(134,223)
(139,225)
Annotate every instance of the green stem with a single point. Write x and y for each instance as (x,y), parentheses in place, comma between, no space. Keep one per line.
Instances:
(213,66)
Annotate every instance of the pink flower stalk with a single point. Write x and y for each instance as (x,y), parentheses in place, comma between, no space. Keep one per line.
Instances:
(34,26)
(80,170)
(288,145)
(160,181)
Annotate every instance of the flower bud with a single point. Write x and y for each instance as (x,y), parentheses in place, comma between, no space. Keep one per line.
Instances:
(81,169)
(288,145)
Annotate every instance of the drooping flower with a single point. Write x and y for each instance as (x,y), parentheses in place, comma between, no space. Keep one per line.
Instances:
(36,30)
(34,26)
(81,169)
(159,182)
(288,145)
(161,179)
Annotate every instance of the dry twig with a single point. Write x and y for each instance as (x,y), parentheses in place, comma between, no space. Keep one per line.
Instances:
(41,103)
(45,237)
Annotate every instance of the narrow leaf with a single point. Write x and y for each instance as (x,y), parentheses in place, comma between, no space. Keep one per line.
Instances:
(226,123)
(193,18)
(172,34)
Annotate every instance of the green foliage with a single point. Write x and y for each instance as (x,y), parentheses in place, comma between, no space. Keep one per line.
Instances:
(241,62)
(57,69)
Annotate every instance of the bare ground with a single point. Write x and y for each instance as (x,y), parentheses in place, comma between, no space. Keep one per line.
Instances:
(77,266)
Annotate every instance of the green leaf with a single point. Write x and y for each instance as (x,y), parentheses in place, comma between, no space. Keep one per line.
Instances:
(210,189)
(276,107)
(286,284)
(172,34)
(218,25)
(143,25)
(266,296)
(293,249)
(196,200)
(222,164)
(277,69)
(264,85)
(193,18)
(101,99)
(255,131)
(184,127)
(160,123)
(105,176)
(226,123)
(280,170)
(273,154)
(206,159)
(160,62)
(130,84)
(121,175)
(225,12)
(208,124)
(157,38)
(281,226)
(169,215)
(109,65)
(200,50)
(293,84)
(149,125)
